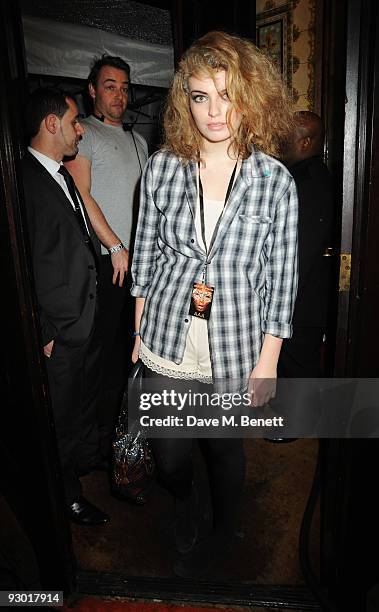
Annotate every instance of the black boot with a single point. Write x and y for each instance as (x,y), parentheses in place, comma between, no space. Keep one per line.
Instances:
(204,556)
(186,530)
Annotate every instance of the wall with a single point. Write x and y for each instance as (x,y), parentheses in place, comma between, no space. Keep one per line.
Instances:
(300,45)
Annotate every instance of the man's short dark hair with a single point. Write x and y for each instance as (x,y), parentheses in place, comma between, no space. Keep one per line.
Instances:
(107,60)
(42,102)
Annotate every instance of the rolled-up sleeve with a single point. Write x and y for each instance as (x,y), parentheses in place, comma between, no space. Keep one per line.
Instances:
(282,267)
(146,245)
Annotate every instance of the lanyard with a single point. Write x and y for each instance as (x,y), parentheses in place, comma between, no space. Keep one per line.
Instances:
(202,219)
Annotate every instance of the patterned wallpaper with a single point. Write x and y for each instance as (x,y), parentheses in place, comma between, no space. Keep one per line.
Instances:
(295,21)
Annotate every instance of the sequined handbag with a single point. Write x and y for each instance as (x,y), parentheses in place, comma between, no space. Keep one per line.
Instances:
(133,461)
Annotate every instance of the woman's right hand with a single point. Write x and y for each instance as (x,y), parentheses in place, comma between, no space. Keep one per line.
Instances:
(135,352)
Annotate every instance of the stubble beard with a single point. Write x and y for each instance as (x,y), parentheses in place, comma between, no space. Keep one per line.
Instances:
(117,117)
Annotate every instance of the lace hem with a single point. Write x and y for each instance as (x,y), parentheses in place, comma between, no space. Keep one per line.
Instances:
(173,373)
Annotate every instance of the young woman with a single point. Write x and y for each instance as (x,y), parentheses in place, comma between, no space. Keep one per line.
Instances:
(218,217)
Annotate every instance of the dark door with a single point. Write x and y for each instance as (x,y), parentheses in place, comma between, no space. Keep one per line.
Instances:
(30,476)
(350,534)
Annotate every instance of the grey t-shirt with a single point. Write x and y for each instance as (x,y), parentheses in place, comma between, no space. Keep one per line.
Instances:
(115,172)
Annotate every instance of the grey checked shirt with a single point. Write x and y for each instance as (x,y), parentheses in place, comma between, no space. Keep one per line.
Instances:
(252,263)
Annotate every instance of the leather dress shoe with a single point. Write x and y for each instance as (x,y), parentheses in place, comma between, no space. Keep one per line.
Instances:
(125,493)
(82,512)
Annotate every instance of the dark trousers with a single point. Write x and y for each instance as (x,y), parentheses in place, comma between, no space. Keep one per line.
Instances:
(115,320)
(226,469)
(224,457)
(73,375)
(298,398)
(300,356)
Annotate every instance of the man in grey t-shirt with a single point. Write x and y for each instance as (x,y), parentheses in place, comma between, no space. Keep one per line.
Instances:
(107,172)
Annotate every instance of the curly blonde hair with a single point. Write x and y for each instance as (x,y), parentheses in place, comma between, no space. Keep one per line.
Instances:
(254,86)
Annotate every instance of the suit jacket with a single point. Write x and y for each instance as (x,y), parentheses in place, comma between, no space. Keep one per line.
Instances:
(64,267)
(316,212)
(252,261)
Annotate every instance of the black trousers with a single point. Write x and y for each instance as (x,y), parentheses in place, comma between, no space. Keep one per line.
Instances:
(225,460)
(298,399)
(73,375)
(300,356)
(226,469)
(115,320)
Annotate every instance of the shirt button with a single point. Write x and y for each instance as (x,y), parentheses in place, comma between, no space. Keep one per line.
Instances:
(192,240)
(185,320)
(91,296)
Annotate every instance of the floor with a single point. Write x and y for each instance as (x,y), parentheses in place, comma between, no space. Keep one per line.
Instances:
(92,604)
(138,540)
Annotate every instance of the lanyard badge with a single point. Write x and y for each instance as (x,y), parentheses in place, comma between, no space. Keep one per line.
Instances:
(202,294)
(201,301)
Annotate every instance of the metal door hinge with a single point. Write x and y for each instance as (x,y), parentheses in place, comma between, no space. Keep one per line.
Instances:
(345,268)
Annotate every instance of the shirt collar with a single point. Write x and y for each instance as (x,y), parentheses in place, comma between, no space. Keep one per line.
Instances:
(50,164)
(255,166)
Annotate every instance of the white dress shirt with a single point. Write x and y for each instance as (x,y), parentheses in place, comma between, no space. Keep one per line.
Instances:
(52,167)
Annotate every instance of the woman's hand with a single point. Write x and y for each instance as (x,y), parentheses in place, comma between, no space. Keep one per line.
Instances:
(135,352)
(262,380)
(262,384)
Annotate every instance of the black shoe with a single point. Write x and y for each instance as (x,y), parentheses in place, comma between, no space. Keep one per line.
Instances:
(185,526)
(84,513)
(127,493)
(203,556)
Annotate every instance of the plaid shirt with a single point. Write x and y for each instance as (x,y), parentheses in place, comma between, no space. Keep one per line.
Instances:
(252,263)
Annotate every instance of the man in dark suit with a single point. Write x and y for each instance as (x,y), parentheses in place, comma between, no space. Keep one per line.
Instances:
(64,258)
(301,355)
(297,400)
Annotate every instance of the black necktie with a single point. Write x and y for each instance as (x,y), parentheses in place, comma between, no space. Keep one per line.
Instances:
(72,191)
(78,213)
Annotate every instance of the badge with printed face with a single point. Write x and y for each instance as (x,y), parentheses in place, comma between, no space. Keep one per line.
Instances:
(201,301)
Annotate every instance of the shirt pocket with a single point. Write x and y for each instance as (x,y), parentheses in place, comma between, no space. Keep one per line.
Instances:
(251,233)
